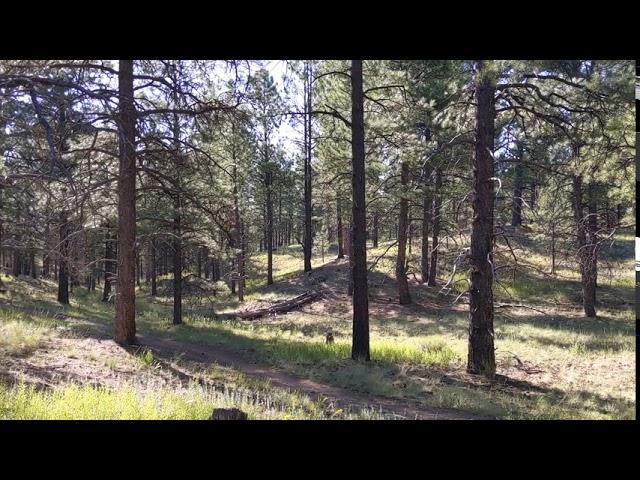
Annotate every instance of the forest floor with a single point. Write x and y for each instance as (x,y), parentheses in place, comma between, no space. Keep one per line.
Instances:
(59,362)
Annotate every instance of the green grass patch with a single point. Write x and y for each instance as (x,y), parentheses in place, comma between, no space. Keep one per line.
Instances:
(21,333)
(74,402)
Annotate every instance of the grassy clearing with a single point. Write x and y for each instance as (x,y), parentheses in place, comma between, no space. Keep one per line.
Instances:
(286,265)
(290,346)
(583,368)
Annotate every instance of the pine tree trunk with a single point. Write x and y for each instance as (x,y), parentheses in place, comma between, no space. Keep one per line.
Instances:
(206,262)
(436,228)
(516,205)
(534,196)
(553,249)
(481,358)
(347,238)
(375,228)
(242,267)
(17,263)
(125,326)
(177,209)
(308,234)
(269,243)
(608,217)
(154,269)
(238,237)
(3,288)
(592,251)
(138,268)
(360,343)
(592,226)
(216,269)
(278,230)
(45,266)
(339,228)
(177,262)
(63,273)
(32,264)
(426,219)
(232,280)
(401,259)
(583,253)
(46,262)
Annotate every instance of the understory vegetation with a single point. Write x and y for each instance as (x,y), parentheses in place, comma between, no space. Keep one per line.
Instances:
(317,239)
(556,365)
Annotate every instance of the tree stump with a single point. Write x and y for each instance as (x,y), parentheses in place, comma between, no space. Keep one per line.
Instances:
(228,414)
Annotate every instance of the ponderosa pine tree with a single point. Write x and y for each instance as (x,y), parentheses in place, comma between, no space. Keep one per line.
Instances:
(481,358)
(403,217)
(360,342)
(125,326)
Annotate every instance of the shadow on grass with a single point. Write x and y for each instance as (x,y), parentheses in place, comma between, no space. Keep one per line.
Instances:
(598,326)
(607,345)
(519,396)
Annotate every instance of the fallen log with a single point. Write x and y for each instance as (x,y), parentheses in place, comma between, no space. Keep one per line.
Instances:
(281,307)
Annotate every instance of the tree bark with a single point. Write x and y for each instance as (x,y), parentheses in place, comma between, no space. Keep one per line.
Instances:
(592,226)
(32,264)
(138,268)
(154,269)
(410,234)
(177,209)
(269,242)
(534,195)
(339,228)
(360,342)
(109,257)
(481,358)
(553,249)
(238,237)
(516,205)
(63,271)
(125,326)
(375,228)
(437,199)
(177,261)
(583,250)
(216,269)
(3,288)
(401,259)
(308,233)
(17,263)
(426,219)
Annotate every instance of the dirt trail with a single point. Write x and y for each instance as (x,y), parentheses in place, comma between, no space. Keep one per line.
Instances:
(167,349)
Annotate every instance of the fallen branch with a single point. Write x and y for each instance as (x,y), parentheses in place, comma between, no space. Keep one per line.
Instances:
(373,265)
(281,307)
(521,365)
(506,305)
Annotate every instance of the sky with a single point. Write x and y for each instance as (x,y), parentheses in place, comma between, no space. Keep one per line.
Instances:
(288,134)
